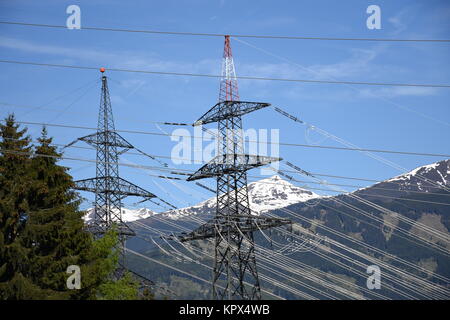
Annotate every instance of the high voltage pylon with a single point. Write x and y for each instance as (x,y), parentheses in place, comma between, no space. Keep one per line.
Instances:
(233,225)
(108,186)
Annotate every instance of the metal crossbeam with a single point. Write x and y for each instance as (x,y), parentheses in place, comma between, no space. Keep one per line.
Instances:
(113,139)
(228,163)
(229,109)
(117,185)
(234,224)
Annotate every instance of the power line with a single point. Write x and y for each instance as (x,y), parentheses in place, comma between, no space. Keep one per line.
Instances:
(362,243)
(251,141)
(162,235)
(351,146)
(6,104)
(291,171)
(271,215)
(364,150)
(204,34)
(238,77)
(171,170)
(14,105)
(285,170)
(349,86)
(279,265)
(366,194)
(167,265)
(382,209)
(264,266)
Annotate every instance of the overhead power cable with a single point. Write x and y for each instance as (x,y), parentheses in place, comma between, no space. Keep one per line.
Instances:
(294,270)
(163,236)
(167,265)
(375,218)
(290,178)
(188,74)
(248,141)
(364,244)
(351,145)
(206,34)
(403,271)
(201,222)
(168,169)
(180,227)
(263,266)
(291,171)
(402,218)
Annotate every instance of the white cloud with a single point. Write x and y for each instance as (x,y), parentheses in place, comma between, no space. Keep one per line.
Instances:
(22,45)
(118,59)
(360,65)
(397,91)
(397,22)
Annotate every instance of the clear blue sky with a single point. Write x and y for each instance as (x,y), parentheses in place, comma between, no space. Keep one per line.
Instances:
(410,119)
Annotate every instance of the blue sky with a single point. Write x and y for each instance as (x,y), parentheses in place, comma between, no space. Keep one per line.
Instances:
(397,118)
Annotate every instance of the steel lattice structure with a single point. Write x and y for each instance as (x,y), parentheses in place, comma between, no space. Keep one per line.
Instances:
(233,225)
(108,186)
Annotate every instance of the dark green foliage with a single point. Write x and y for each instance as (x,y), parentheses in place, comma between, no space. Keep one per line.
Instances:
(14,181)
(53,232)
(42,230)
(110,288)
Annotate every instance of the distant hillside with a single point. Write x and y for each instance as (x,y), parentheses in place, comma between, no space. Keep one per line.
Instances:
(421,195)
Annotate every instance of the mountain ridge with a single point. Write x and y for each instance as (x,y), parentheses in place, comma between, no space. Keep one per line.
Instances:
(332,212)
(264,195)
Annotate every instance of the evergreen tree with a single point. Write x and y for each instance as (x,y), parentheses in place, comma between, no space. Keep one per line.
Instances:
(54,228)
(42,230)
(109,287)
(15,160)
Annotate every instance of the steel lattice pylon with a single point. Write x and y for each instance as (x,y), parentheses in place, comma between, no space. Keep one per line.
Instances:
(228,84)
(233,225)
(108,186)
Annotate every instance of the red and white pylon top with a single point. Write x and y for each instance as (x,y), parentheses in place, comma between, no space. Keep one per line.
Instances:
(228,82)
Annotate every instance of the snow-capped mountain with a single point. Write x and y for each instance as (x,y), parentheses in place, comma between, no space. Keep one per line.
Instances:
(127,214)
(274,192)
(433,177)
(426,176)
(418,195)
(266,194)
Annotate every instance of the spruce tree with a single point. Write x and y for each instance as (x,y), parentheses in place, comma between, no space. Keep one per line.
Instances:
(54,230)
(15,161)
(56,237)
(42,229)
(124,287)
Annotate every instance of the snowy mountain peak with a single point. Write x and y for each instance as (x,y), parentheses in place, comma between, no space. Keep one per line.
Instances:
(127,214)
(264,195)
(274,192)
(425,177)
